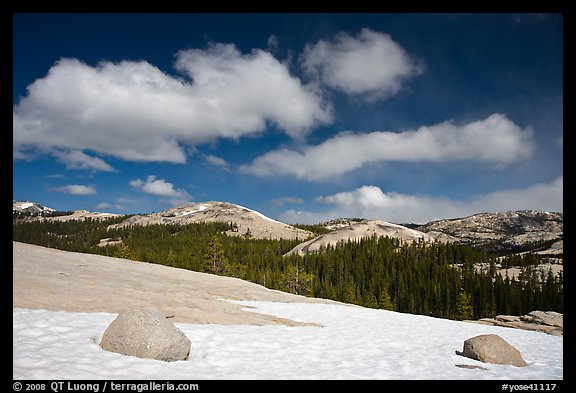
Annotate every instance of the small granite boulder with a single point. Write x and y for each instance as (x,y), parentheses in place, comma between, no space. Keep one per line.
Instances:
(491,348)
(146,334)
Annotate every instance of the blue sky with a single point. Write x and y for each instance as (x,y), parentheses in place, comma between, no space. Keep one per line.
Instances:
(303,117)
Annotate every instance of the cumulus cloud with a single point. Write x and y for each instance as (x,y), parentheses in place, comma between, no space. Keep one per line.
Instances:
(79,160)
(287,200)
(370,64)
(272,42)
(371,202)
(251,89)
(108,206)
(216,161)
(133,111)
(495,140)
(120,204)
(76,189)
(158,187)
(541,196)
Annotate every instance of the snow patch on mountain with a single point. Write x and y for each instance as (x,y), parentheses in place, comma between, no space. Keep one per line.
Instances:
(30,208)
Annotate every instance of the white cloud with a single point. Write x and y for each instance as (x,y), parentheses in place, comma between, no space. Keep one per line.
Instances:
(287,200)
(541,196)
(373,203)
(56,176)
(76,189)
(108,206)
(272,42)
(216,161)
(370,64)
(158,187)
(161,188)
(133,111)
(495,140)
(79,160)
(250,89)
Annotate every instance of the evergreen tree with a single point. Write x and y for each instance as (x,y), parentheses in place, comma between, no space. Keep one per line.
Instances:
(385,300)
(464,306)
(125,252)
(215,260)
(427,278)
(295,280)
(237,270)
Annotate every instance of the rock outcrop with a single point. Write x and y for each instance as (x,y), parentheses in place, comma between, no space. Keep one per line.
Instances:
(249,223)
(549,322)
(146,334)
(30,208)
(520,230)
(358,230)
(491,348)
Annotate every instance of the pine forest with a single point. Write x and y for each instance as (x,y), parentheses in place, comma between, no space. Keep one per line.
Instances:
(425,278)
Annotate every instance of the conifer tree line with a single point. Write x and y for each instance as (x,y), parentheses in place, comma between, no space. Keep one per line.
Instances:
(416,277)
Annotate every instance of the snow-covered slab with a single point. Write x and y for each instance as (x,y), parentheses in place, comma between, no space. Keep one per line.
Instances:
(353,343)
(262,215)
(198,209)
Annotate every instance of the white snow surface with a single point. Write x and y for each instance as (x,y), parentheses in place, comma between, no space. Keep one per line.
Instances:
(353,343)
(261,215)
(200,208)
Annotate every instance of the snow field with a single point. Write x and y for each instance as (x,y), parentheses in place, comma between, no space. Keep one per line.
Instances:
(353,343)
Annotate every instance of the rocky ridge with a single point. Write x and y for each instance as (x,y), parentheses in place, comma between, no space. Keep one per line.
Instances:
(513,231)
(504,231)
(83,215)
(30,208)
(354,231)
(249,222)
(549,322)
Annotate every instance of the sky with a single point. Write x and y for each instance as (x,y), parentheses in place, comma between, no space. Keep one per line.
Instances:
(402,117)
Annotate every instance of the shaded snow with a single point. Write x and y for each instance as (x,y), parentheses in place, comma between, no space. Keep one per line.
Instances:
(353,343)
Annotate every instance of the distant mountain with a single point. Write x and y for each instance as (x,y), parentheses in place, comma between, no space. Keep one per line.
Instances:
(84,214)
(512,231)
(258,225)
(521,230)
(355,230)
(35,209)
(30,208)
(340,223)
